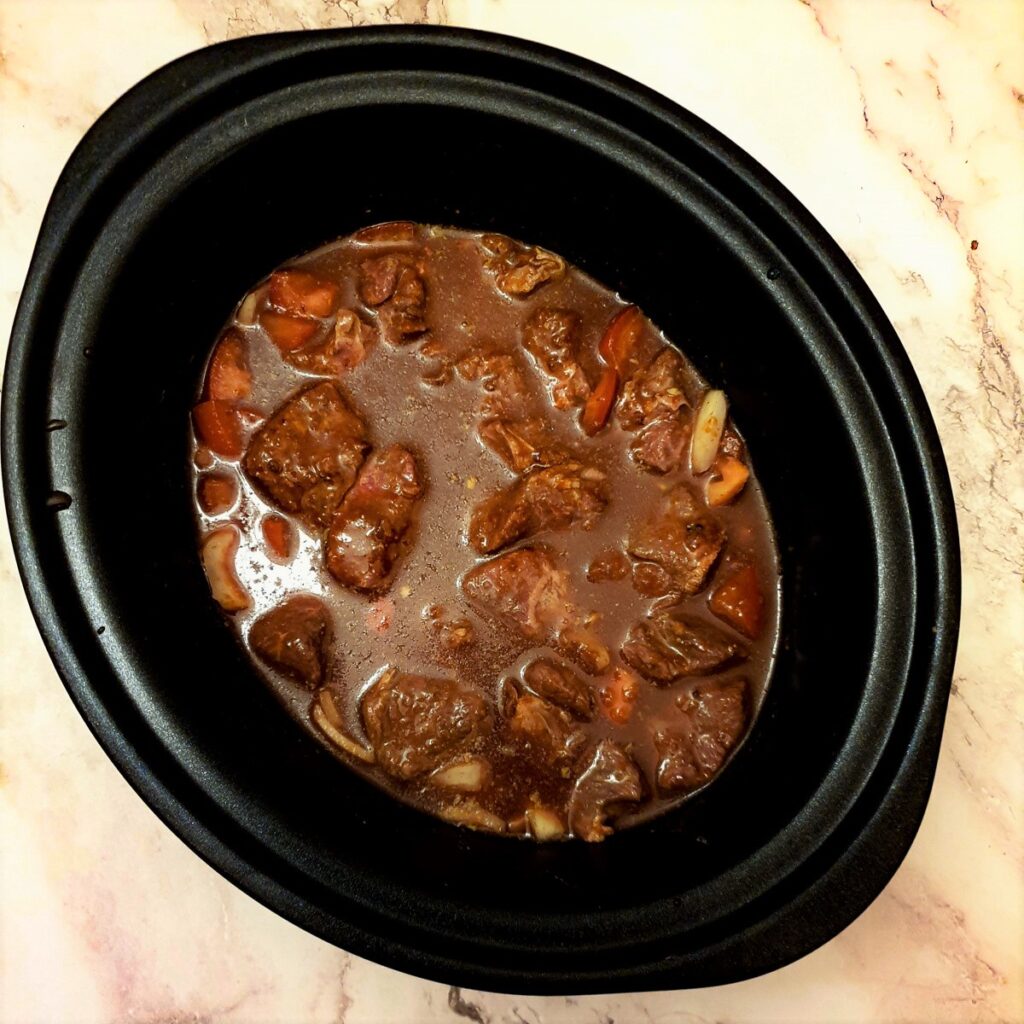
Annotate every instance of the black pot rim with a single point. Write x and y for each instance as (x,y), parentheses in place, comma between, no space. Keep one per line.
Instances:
(94,166)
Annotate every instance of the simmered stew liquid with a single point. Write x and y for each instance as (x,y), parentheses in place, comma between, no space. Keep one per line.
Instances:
(491,539)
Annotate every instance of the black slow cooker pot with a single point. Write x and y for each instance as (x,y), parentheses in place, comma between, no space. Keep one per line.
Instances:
(219,166)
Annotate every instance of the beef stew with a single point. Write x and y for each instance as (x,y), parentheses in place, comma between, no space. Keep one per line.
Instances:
(488,536)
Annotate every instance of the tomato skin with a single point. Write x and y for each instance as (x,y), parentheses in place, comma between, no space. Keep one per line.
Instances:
(218,427)
(301,293)
(287,332)
(599,404)
(277,532)
(620,338)
(738,601)
(229,378)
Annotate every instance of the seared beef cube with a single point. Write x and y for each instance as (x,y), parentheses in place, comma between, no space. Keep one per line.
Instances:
(654,392)
(550,337)
(662,446)
(292,638)
(683,538)
(343,348)
(547,499)
(546,731)
(691,751)
(519,269)
(395,285)
(501,376)
(670,645)
(416,724)
(611,782)
(524,589)
(520,446)
(306,456)
(560,685)
(363,540)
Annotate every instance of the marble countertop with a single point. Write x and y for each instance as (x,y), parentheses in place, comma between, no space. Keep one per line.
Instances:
(900,124)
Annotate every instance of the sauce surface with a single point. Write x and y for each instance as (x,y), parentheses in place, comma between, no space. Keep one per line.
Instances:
(447,492)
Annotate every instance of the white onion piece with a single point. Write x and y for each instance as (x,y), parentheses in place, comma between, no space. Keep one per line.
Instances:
(337,737)
(218,554)
(471,814)
(545,825)
(707,431)
(469,776)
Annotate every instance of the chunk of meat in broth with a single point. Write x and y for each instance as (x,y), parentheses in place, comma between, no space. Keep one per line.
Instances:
(364,537)
(415,724)
(519,269)
(550,735)
(526,590)
(293,638)
(682,537)
(654,392)
(501,377)
(653,402)
(395,285)
(342,348)
(670,645)
(611,783)
(523,445)
(555,498)
(693,747)
(306,456)
(662,446)
(550,337)
(560,685)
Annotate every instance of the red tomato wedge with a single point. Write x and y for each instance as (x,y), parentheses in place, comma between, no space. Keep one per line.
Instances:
(296,291)
(217,493)
(287,332)
(600,402)
(620,338)
(277,532)
(229,378)
(219,427)
(738,601)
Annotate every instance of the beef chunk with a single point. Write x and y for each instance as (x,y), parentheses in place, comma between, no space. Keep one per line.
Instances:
(671,644)
(546,730)
(363,539)
(292,638)
(306,456)
(655,392)
(502,379)
(682,537)
(611,782)
(415,724)
(525,590)
(521,445)
(695,747)
(395,285)
(343,348)
(519,269)
(547,499)
(662,446)
(560,685)
(550,337)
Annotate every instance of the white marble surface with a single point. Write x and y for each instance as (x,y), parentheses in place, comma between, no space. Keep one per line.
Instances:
(900,124)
